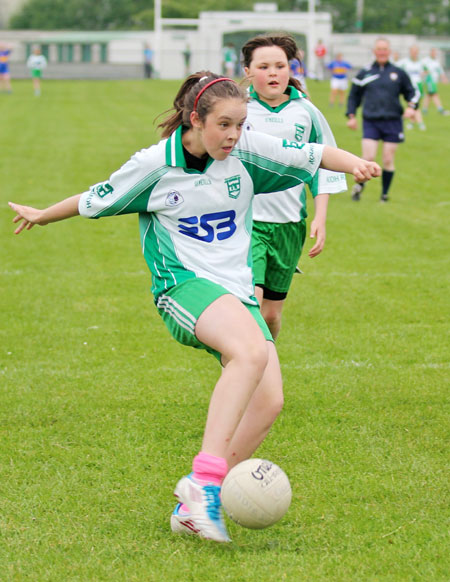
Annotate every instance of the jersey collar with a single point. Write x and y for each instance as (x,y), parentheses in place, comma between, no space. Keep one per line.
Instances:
(175,156)
(174,149)
(291,92)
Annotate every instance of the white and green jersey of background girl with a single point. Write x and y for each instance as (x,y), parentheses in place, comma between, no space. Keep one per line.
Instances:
(199,224)
(296,119)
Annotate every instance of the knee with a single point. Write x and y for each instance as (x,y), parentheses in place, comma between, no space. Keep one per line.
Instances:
(276,404)
(273,405)
(251,356)
(272,317)
(256,355)
(273,320)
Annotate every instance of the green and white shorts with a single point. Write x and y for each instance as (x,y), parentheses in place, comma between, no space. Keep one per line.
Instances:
(276,249)
(181,306)
(431,86)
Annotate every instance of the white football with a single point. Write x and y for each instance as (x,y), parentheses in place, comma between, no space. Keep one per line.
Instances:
(256,493)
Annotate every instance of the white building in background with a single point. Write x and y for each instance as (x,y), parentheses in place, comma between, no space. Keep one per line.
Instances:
(119,54)
(204,37)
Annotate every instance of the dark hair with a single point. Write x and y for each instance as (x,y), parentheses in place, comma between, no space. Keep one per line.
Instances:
(284,41)
(184,101)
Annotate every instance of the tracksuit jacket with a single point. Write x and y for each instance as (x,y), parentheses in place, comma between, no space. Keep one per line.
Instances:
(379,88)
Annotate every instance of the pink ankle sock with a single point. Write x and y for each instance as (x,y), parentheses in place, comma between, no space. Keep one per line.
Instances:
(209,469)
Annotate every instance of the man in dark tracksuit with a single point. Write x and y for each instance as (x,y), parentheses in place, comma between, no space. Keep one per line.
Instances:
(379,87)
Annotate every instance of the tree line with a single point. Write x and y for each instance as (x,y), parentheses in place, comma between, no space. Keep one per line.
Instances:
(421,17)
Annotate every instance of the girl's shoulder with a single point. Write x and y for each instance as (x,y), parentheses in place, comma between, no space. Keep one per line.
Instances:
(153,156)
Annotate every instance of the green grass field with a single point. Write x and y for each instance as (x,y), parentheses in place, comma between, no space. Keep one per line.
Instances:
(101,412)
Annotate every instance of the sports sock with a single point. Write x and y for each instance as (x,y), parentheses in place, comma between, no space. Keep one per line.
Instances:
(206,469)
(386,179)
(209,469)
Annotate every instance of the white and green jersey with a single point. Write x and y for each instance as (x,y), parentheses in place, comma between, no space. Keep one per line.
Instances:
(37,62)
(297,119)
(199,224)
(434,69)
(415,70)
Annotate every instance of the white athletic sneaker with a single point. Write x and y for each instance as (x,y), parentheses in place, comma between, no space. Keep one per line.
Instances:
(206,517)
(182,524)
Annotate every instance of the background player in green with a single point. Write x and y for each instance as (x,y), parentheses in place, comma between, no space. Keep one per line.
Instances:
(36,63)
(279,108)
(193,192)
(416,71)
(435,74)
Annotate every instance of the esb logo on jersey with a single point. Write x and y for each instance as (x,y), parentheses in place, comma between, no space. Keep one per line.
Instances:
(210,226)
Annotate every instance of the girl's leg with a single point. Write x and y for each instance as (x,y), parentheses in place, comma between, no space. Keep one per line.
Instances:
(333,94)
(229,328)
(271,311)
(260,414)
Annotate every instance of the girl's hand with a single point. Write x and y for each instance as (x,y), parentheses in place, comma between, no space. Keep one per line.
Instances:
(365,170)
(27,216)
(318,232)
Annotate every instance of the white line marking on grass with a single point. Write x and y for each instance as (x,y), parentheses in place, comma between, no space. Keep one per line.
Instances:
(367,275)
(398,528)
(367,364)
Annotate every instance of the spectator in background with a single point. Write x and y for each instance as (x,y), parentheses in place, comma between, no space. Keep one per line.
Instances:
(5,78)
(298,70)
(339,79)
(36,63)
(148,62)
(379,87)
(229,60)
(435,74)
(395,58)
(187,60)
(320,51)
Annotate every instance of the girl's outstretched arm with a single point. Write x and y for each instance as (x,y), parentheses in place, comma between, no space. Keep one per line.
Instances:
(342,161)
(28,216)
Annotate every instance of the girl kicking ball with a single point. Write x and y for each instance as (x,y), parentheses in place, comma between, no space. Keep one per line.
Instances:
(193,192)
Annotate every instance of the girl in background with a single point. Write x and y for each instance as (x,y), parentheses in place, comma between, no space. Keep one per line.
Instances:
(279,108)
(36,63)
(193,192)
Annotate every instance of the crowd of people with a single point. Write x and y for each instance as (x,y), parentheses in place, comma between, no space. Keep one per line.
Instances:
(222,209)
